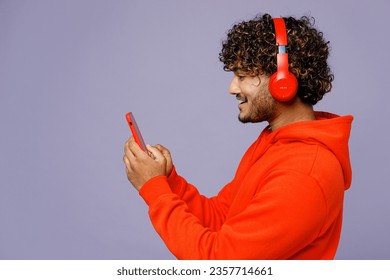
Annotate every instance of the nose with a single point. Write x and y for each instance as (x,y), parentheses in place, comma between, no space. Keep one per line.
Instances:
(234,87)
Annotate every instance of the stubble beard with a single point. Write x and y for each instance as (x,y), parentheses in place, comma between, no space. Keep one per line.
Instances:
(261,109)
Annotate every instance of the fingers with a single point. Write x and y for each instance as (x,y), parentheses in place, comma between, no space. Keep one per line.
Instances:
(161,148)
(127,145)
(133,150)
(128,157)
(128,166)
(126,161)
(164,151)
(156,153)
(167,154)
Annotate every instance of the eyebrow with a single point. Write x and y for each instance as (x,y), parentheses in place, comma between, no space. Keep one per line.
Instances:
(238,70)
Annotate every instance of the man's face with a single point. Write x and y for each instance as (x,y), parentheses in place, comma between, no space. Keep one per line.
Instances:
(256,102)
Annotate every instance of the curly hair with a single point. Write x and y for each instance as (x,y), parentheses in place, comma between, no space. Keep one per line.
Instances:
(251,48)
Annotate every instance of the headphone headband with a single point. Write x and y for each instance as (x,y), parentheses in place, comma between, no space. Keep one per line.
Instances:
(280,32)
(281,42)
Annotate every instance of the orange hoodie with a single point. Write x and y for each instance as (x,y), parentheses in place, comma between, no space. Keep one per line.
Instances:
(285,201)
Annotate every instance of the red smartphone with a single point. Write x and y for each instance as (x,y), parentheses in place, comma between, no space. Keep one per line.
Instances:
(135,131)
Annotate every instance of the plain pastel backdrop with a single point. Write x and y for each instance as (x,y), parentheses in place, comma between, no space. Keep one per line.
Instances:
(70,70)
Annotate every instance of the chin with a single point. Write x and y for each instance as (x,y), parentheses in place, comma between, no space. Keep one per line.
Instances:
(249,119)
(244,119)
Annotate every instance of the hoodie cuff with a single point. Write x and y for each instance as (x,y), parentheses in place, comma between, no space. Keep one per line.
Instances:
(154,188)
(173,178)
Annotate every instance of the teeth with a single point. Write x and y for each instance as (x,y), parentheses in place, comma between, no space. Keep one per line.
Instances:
(241,98)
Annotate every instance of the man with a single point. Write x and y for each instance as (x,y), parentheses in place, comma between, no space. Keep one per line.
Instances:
(286,199)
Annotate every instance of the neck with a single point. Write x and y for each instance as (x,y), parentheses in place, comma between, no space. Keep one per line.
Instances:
(286,114)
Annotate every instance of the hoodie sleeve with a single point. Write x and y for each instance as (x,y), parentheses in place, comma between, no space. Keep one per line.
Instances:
(284,216)
(211,212)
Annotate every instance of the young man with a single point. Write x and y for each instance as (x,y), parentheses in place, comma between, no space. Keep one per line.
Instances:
(286,199)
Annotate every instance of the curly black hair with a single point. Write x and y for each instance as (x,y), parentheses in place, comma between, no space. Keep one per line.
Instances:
(251,48)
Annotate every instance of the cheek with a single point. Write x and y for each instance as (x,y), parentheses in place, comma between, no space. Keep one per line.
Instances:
(262,100)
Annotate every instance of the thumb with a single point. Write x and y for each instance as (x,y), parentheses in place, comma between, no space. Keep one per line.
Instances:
(156,154)
(164,151)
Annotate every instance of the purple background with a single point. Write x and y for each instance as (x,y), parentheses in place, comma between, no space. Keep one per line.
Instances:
(70,70)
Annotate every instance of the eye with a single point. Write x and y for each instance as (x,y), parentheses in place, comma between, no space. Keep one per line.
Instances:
(241,77)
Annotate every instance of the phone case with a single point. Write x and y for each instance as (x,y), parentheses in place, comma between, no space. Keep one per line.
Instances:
(135,131)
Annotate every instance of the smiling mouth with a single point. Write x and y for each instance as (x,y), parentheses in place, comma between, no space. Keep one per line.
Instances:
(241,98)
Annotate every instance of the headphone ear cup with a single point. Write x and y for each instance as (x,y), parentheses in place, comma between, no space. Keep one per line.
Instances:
(283,89)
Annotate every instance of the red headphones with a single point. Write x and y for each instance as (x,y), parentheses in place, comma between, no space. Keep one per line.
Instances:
(283,85)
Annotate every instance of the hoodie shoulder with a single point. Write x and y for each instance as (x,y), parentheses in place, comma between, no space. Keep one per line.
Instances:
(330,131)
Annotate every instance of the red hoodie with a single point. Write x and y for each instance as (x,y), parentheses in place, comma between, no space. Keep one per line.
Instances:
(285,201)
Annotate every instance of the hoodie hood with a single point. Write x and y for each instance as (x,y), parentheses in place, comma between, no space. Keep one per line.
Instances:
(330,130)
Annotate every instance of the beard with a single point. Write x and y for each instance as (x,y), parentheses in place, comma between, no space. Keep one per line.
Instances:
(259,109)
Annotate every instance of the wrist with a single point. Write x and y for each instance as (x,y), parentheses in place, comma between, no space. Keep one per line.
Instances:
(154,188)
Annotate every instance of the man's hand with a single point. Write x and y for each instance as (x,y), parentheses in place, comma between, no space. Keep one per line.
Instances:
(140,167)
